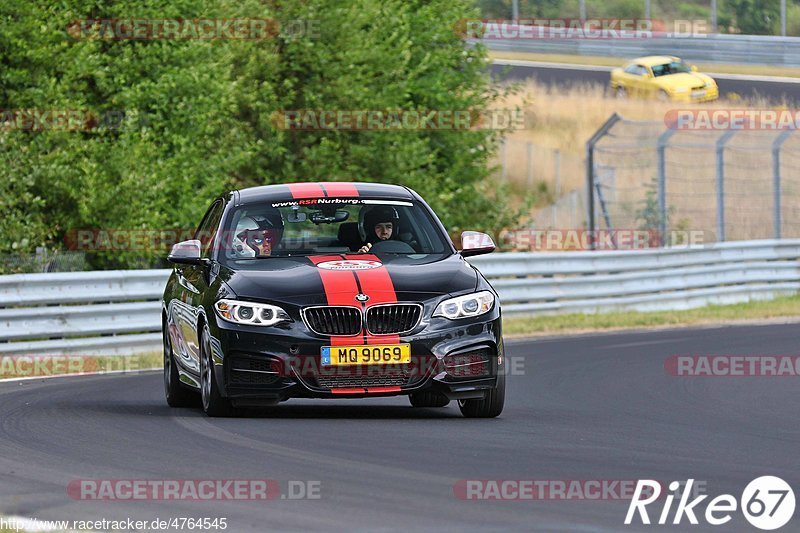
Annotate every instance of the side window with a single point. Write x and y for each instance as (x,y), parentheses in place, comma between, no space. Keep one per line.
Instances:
(208,228)
(643,71)
(632,69)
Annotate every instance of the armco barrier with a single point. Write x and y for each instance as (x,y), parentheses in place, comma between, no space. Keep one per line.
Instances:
(104,312)
(116,312)
(719,48)
(645,280)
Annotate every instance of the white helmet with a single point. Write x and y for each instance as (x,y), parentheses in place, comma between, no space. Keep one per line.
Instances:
(240,246)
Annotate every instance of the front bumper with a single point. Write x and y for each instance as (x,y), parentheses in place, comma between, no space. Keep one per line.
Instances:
(262,366)
(710,94)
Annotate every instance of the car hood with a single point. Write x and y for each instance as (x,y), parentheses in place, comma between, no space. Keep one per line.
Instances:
(684,79)
(299,281)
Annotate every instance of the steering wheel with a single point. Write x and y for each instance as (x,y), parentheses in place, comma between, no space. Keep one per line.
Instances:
(392,247)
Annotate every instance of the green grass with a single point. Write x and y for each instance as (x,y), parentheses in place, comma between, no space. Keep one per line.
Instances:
(37,366)
(715,314)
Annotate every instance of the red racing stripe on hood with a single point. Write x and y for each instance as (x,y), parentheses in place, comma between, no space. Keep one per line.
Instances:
(377,283)
(340,289)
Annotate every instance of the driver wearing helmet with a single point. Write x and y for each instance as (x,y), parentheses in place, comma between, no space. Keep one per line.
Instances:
(258,235)
(380,224)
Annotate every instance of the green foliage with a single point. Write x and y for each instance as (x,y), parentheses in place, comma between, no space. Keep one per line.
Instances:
(756,17)
(649,215)
(198,114)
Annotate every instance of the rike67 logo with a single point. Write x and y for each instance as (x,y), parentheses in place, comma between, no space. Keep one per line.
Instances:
(767,503)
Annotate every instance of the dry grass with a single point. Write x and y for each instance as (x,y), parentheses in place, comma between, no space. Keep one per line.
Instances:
(562,120)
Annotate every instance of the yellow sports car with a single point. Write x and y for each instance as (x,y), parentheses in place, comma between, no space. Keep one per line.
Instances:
(664,77)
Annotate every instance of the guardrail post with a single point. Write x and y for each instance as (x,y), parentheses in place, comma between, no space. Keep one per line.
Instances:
(663,141)
(777,144)
(721,184)
(590,144)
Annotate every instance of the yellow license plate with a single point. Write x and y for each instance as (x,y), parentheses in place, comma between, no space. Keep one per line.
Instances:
(376,354)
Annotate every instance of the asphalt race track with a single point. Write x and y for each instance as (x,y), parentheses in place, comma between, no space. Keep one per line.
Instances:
(775,90)
(598,407)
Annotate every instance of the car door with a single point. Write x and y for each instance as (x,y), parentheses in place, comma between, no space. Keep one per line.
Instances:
(627,78)
(641,80)
(193,281)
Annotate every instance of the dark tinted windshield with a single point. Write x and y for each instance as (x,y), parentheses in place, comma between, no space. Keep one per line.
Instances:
(674,67)
(323,226)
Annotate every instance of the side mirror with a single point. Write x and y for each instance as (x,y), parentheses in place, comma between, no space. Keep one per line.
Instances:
(185,253)
(475,243)
(694,68)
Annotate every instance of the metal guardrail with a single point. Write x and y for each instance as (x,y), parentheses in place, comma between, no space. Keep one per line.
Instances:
(103,313)
(712,48)
(645,280)
(117,312)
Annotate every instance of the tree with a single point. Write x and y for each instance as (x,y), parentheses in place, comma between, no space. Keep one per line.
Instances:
(197,114)
(756,17)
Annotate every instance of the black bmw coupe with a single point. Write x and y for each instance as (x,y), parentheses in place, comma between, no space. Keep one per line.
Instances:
(330,290)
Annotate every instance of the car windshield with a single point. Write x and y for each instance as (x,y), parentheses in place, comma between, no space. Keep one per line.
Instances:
(674,67)
(324,226)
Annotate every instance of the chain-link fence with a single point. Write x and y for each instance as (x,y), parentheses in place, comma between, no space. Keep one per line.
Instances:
(553,174)
(730,184)
(724,184)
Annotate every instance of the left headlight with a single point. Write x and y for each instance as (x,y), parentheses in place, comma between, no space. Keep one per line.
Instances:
(466,306)
(250,313)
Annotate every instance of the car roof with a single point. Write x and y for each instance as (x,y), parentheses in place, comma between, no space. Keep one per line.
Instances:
(330,189)
(650,61)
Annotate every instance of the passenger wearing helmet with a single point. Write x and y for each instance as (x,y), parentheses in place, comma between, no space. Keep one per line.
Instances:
(380,224)
(258,235)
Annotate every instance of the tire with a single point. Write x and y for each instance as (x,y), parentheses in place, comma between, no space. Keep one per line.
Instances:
(428,399)
(213,403)
(176,393)
(620,93)
(488,407)
(663,96)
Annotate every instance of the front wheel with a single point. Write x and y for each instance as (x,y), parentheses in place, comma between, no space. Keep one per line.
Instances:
(177,395)
(213,402)
(490,405)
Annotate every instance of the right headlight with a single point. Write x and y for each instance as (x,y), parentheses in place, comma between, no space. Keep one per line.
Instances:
(466,306)
(250,313)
